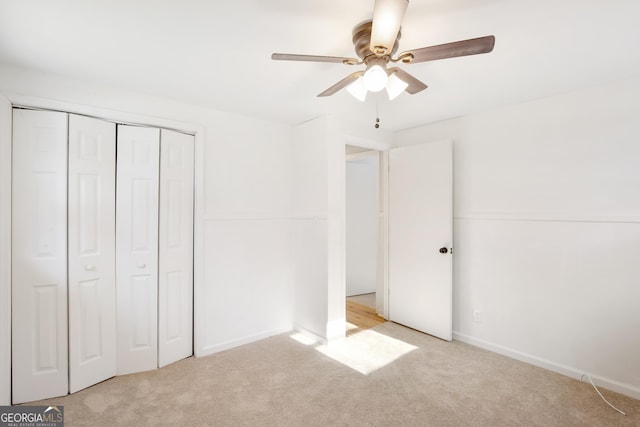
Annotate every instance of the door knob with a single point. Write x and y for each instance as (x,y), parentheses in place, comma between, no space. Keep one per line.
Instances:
(142,265)
(444,250)
(89,267)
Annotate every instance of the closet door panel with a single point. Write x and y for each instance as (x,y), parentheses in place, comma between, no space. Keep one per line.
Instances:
(92,292)
(39,255)
(175,288)
(137,248)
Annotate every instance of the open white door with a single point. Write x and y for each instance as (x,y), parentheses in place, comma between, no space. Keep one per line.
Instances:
(39,256)
(137,248)
(92,288)
(175,274)
(420,231)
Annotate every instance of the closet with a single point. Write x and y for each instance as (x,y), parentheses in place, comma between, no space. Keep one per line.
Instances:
(102,251)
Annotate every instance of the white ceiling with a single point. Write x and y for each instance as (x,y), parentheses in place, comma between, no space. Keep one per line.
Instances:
(217,54)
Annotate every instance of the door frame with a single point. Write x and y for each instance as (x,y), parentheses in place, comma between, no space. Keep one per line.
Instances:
(124,117)
(382,285)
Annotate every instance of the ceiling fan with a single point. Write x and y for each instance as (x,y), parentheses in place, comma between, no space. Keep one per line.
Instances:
(375,42)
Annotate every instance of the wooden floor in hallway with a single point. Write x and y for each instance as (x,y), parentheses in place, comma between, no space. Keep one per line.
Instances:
(361,317)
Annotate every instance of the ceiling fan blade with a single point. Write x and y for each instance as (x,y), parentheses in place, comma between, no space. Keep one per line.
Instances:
(342,83)
(415,85)
(387,18)
(449,50)
(313,58)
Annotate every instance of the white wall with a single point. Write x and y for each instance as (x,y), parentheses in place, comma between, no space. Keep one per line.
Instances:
(361,224)
(547,231)
(5,251)
(310,227)
(243,202)
(247,232)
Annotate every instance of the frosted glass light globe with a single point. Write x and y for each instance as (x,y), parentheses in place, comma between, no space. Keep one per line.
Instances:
(395,86)
(375,78)
(358,90)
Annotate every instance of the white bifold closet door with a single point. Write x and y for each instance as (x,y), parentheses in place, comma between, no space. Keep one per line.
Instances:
(154,241)
(175,274)
(102,280)
(137,185)
(39,255)
(92,289)
(63,253)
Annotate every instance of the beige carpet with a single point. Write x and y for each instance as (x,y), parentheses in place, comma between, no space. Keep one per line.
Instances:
(412,379)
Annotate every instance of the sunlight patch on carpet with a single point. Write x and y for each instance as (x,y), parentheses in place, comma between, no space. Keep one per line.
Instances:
(303,339)
(367,351)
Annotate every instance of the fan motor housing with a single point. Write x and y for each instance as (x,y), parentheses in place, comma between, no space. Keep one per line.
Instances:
(362,41)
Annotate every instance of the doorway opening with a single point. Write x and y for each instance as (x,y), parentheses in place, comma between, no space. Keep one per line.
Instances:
(364,239)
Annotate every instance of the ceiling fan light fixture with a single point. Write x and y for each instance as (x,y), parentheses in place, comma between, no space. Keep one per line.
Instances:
(357,89)
(375,42)
(375,78)
(395,86)
(387,17)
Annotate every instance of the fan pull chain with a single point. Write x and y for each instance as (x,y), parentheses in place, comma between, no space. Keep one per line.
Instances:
(377,125)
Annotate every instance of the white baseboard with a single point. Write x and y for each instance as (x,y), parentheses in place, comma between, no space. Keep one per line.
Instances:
(569,371)
(311,335)
(215,348)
